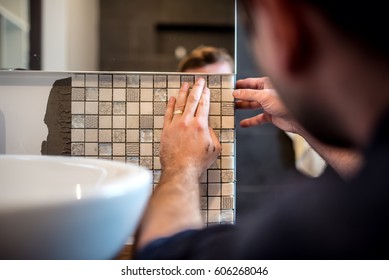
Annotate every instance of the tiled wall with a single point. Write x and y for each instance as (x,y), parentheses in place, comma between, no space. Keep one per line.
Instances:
(120,117)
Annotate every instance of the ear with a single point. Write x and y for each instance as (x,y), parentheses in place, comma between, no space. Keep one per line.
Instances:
(291,32)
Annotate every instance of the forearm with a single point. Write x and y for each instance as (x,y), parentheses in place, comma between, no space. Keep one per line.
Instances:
(174,207)
(345,162)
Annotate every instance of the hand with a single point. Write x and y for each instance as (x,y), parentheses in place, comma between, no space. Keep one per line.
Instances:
(256,93)
(187,143)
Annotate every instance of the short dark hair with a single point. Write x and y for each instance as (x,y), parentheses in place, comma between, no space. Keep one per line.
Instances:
(203,56)
(365,22)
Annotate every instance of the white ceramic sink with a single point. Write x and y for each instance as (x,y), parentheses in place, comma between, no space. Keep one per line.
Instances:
(67,207)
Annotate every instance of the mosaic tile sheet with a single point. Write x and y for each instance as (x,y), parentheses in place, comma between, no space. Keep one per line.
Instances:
(120,117)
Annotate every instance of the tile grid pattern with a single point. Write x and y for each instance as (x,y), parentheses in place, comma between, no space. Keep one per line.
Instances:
(120,117)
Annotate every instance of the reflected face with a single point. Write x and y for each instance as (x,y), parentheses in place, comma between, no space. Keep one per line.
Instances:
(216,68)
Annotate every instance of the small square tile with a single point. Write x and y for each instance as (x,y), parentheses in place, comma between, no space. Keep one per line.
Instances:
(158,121)
(215,95)
(157,163)
(133,160)
(119,122)
(216,164)
(105,135)
(91,121)
(91,108)
(204,203)
(157,175)
(78,107)
(227,135)
(92,80)
(227,216)
(91,94)
(146,122)
(118,135)
(119,149)
(105,81)
(105,149)
(160,81)
(172,92)
(105,94)
(119,108)
(146,108)
(227,202)
(132,135)
(227,149)
(132,121)
(214,121)
(204,216)
(214,202)
(214,176)
(156,149)
(91,149)
(159,108)
(119,94)
(214,109)
(146,94)
(228,81)
(146,81)
(228,108)
(227,176)
(160,94)
(78,121)
(174,81)
(78,149)
(157,135)
(132,108)
(214,81)
(132,149)
(214,189)
(78,135)
(146,149)
(105,108)
(213,216)
(228,122)
(78,80)
(227,95)
(91,135)
(187,79)
(119,81)
(146,162)
(228,163)
(78,94)
(133,94)
(105,122)
(228,189)
(133,81)
(146,135)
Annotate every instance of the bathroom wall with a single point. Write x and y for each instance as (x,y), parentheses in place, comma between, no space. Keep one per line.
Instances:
(115,116)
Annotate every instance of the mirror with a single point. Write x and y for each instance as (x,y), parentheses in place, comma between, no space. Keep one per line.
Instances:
(110,35)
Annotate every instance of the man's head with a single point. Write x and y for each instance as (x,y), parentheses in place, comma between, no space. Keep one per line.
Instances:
(207,60)
(322,56)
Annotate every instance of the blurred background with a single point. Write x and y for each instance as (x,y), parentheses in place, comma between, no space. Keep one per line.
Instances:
(152,35)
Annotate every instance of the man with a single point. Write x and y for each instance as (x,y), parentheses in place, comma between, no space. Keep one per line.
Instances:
(207,59)
(330,68)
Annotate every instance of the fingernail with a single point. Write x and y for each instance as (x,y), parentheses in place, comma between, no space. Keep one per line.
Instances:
(236,92)
(201,81)
(171,99)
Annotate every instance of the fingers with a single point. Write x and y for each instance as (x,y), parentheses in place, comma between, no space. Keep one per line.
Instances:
(250,95)
(182,96)
(255,121)
(254,83)
(203,107)
(194,98)
(247,105)
(169,112)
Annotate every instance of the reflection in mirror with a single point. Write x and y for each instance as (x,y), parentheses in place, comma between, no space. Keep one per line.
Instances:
(110,35)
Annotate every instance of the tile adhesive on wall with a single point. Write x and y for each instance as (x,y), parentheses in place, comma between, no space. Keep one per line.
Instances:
(120,117)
